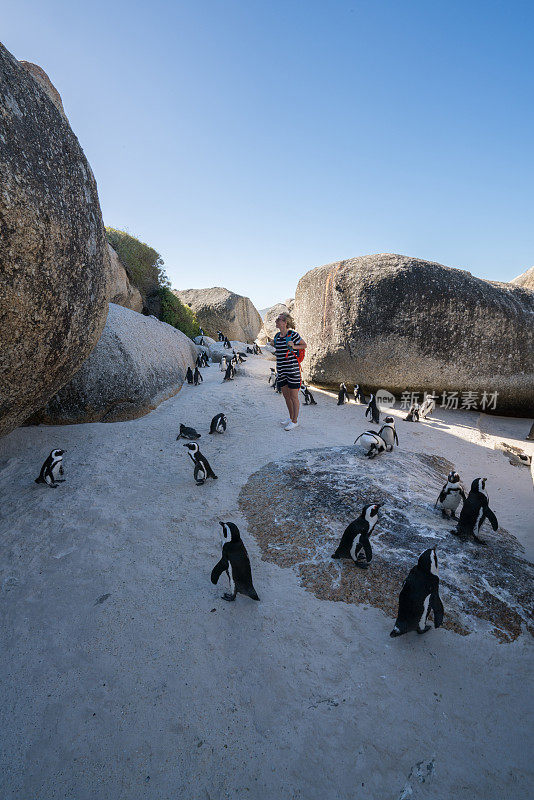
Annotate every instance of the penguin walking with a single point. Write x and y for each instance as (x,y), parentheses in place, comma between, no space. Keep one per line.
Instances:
(342,395)
(355,542)
(51,469)
(359,396)
(413,413)
(187,433)
(198,362)
(202,470)
(223,364)
(272,376)
(236,563)
(227,343)
(450,496)
(308,397)
(218,424)
(189,375)
(428,406)
(372,442)
(372,411)
(205,359)
(197,377)
(474,511)
(389,433)
(420,595)
(230,373)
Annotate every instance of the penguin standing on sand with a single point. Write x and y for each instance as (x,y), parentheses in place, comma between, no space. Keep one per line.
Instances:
(230,373)
(428,406)
(450,496)
(342,395)
(355,542)
(236,563)
(187,433)
(223,364)
(308,397)
(389,434)
(372,411)
(413,413)
(420,595)
(371,442)
(272,376)
(202,469)
(189,375)
(359,396)
(51,469)
(218,424)
(474,511)
(197,377)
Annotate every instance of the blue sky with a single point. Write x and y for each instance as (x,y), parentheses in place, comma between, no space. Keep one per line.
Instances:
(251,141)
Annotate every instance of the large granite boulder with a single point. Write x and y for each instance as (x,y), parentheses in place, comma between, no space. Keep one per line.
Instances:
(218,309)
(137,363)
(120,290)
(399,323)
(526,279)
(269,329)
(53,277)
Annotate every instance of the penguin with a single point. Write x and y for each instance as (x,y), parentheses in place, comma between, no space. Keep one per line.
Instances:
(427,407)
(413,413)
(201,330)
(223,364)
(257,350)
(355,542)
(250,351)
(420,595)
(474,511)
(450,496)
(276,384)
(198,362)
(359,396)
(218,424)
(227,343)
(52,467)
(308,397)
(236,563)
(342,395)
(220,336)
(373,441)
(202,470)
(197,377)
(272,376)
(389,434)
(187,433)
(205,359)
(189,375)
(372,411)
(201,341)
(230,373)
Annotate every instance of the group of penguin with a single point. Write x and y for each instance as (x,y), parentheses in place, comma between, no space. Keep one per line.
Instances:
(309,399)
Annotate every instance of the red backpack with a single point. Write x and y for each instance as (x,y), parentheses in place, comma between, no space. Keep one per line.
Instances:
(299,354)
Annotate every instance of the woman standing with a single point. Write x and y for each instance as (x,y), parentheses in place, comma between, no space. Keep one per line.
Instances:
(286,343)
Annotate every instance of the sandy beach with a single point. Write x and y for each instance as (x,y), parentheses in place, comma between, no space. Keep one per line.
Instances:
(125,675)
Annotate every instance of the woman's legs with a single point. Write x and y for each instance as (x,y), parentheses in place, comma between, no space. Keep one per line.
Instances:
(286,391)
(294,400)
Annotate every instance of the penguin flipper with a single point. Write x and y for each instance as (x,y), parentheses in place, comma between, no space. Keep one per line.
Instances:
(218,570)
(437,607)
(252,593)
(492,519)
(368,550)
(396,437)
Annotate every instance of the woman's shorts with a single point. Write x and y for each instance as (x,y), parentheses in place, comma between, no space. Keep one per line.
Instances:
(292,382)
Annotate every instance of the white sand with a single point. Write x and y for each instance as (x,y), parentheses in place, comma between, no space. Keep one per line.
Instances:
(151,694)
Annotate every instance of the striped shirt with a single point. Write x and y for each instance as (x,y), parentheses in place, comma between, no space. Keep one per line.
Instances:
(287,366)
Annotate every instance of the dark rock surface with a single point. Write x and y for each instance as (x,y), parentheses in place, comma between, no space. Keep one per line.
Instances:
(218,309)
(399,323)
(53,278)
(137,363)
(299,507)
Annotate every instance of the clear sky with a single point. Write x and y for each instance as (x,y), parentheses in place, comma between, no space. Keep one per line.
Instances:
(251,140)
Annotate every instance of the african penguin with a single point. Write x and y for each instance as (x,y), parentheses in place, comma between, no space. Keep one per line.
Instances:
(187,433)
(428,406)
(223,364)
(359,396)
(235,562)
(342,395)
(420,595)
(189,375)
(52,467)
(308,397)
(474,511)
(218,424)
(388,433)
(227,343)
(197,377)
(272,376)
(413,413)
(202,470)
(450,496)
(372,411)
(230,373)
(355,542)
(372,443)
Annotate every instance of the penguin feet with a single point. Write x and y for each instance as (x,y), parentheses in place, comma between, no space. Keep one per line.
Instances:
(52,485)
(229,597)
(424,630)
(396,632)
(479,541)
(461,536)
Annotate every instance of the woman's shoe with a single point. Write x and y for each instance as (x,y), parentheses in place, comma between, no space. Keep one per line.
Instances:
(290,426)
(285,422)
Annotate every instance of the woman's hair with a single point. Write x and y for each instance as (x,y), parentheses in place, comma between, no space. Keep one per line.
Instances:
(288,319)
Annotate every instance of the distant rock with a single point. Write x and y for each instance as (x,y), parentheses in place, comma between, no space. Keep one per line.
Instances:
(398,323)
(120,290)
(137,363)
(217,350)
(269,329)
(53,273)
(218,309)
(526,279)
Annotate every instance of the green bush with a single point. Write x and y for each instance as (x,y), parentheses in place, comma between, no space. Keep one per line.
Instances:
(175,313)
(143,264)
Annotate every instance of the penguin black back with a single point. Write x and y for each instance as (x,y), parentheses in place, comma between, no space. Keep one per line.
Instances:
(218,423)
(51,470)
(189,375)
(474,511)
(372,410)
(355,542)
(236,563)
(420,595)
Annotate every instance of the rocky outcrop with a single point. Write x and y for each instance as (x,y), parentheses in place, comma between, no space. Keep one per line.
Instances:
(120,290)
(399,323)
(218,309)
(137,363)
(269,329)
(53,276)
(46,84)
(526,279)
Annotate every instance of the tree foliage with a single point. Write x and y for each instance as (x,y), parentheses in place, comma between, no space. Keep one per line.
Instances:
(175,313)
(143,264)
